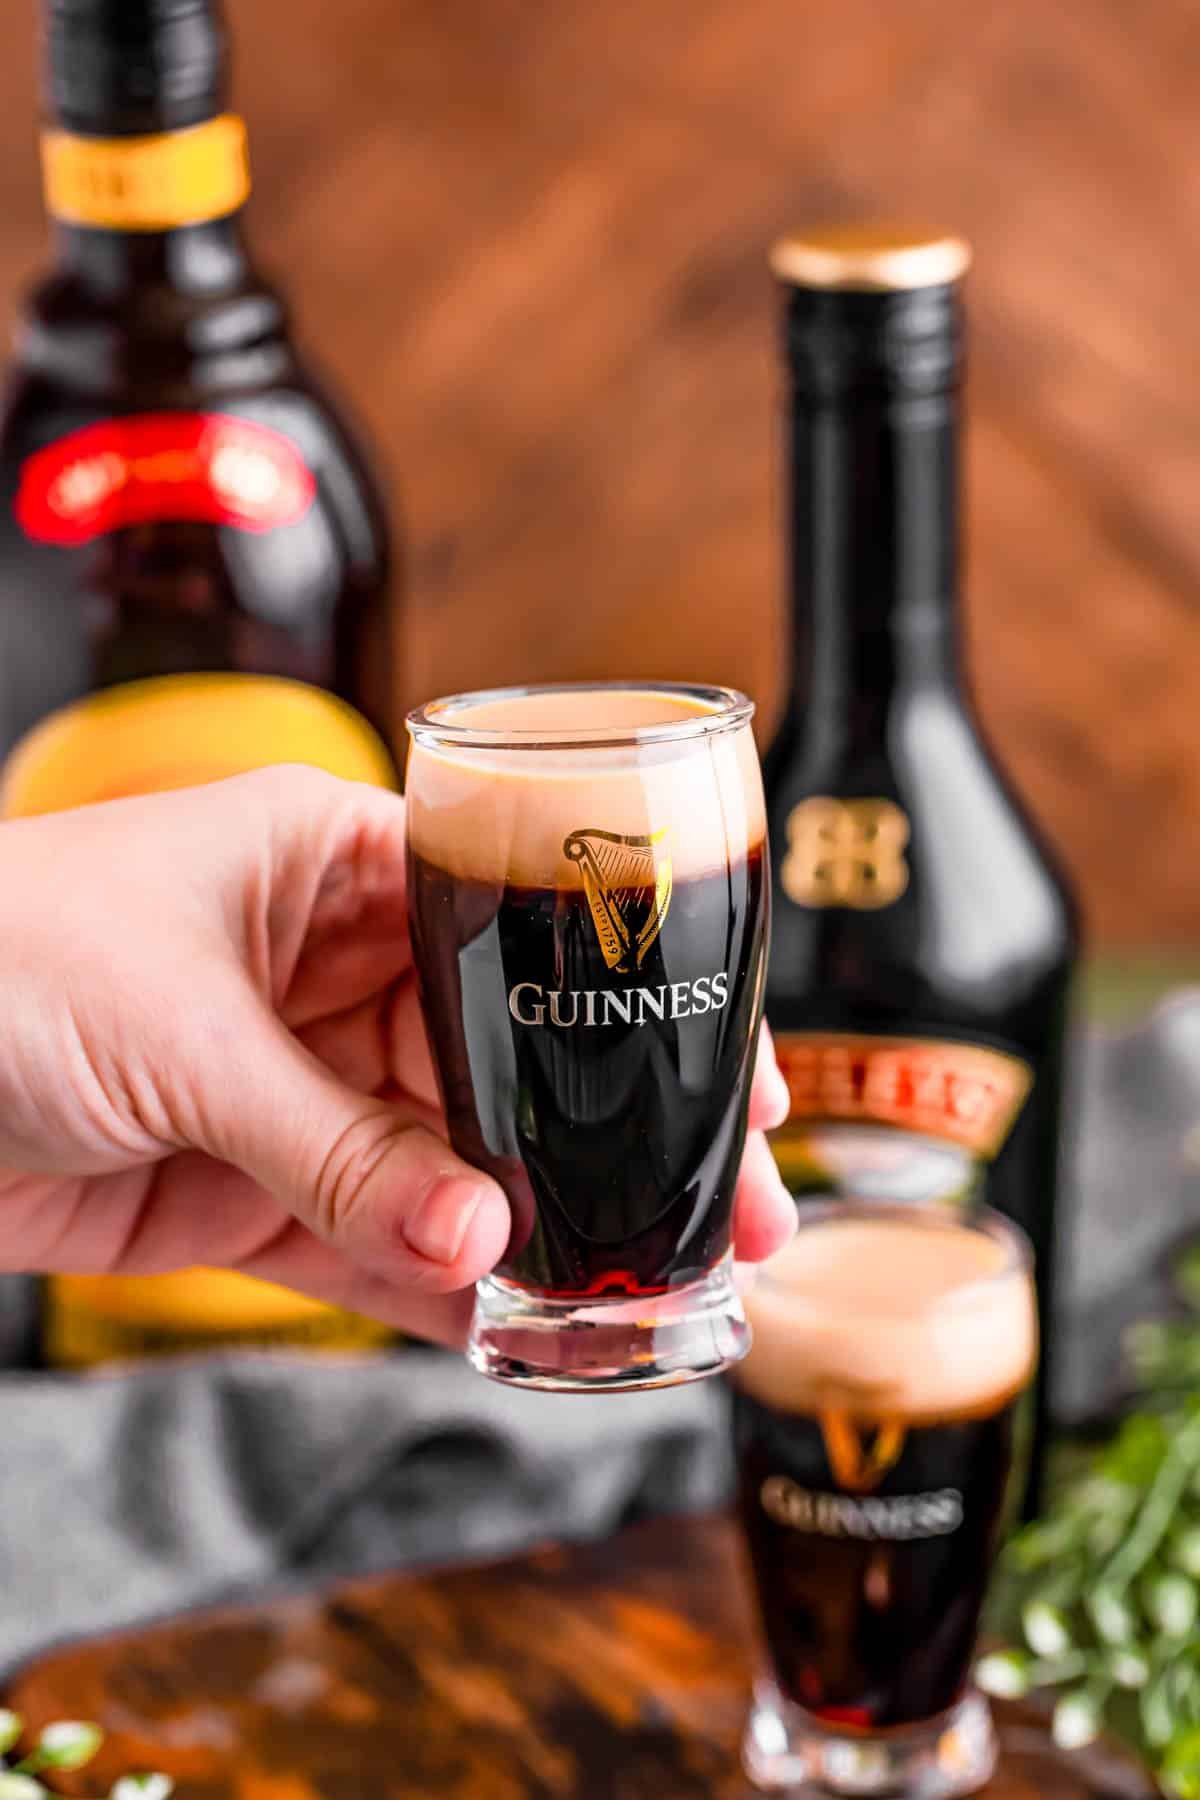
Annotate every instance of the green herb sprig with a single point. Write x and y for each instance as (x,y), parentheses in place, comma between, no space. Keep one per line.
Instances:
(67,1744)
(1099,1600)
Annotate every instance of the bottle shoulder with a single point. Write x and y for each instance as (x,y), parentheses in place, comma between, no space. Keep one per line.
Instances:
(152,333)
(42,403)
(199,363)
(935,763)
(968,809)
(148,302)
(912,873)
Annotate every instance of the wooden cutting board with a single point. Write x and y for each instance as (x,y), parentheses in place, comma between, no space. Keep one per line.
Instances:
(615,1671)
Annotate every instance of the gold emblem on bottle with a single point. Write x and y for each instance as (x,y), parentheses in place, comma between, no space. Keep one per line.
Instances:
(628,883)
(845,853)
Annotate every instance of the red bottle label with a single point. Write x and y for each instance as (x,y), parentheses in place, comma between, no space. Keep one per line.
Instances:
(128,471)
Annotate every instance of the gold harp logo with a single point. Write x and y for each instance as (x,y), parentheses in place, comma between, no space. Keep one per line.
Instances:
(627,881)
(860,1458)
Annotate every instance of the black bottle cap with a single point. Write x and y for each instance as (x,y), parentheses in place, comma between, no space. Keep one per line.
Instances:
(873,308)
(128,68)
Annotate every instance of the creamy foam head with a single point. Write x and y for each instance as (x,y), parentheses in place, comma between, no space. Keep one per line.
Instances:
(499,783)
(882,1315)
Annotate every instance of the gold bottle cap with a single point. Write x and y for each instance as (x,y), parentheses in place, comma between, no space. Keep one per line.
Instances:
(870,258)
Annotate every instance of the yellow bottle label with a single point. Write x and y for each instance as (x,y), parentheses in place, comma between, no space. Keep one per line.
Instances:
(149,736)
(147,183)
(94,1319)
(175,731)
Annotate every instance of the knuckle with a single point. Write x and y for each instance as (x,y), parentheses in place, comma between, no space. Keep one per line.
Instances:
(282,793)
(346,1174)
(293,784)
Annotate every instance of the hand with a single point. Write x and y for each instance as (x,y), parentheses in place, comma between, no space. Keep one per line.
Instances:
(211,1052)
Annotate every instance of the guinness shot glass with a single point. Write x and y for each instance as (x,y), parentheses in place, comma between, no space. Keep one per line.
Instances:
(588,899)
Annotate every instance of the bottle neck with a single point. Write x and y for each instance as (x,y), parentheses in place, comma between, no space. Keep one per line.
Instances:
(205,259)
(161,206)
(145,175)
(874,558)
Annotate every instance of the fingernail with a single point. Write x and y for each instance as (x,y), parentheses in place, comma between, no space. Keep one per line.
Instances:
(439,1227)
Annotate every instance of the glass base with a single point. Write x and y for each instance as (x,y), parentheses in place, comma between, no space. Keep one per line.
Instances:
(597,1346)
(786,1747)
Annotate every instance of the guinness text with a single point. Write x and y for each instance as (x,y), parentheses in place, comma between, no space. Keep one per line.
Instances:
(531,1004)
(897,1518)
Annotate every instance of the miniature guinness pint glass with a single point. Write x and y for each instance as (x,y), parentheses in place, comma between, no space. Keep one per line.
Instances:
(588,902)
(874,1432)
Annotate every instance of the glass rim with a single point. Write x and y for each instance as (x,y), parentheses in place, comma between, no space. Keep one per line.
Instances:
(980,1219)
(728,709)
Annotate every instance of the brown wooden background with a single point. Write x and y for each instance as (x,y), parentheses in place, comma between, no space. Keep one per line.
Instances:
(528,239)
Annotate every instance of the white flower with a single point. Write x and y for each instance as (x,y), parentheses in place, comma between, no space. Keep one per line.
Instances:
(19,1787)
(141,1787)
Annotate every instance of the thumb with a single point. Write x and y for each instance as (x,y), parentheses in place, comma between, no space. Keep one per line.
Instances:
(361,1173)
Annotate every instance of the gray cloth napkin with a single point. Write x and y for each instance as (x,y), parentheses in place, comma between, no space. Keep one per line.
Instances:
(126,1495)
(1132,1193)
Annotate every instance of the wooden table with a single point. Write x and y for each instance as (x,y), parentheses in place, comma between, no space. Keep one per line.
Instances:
(617,1671)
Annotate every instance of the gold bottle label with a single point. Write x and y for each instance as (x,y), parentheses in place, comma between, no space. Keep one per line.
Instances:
(962,1093)
(149,736)
(152,183)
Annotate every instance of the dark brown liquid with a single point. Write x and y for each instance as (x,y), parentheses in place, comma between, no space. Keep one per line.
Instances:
(870,1594)
(617,1139)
